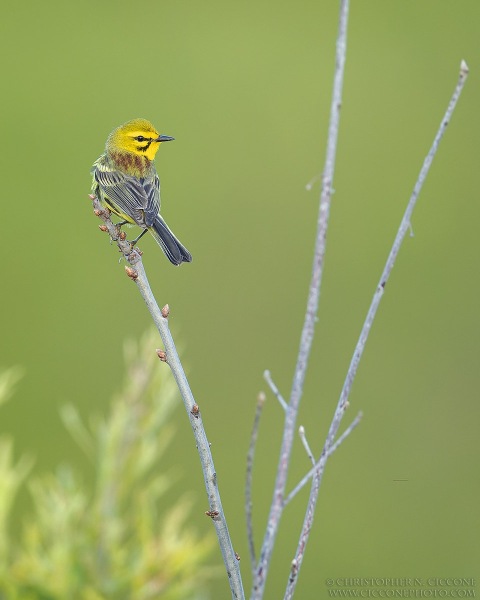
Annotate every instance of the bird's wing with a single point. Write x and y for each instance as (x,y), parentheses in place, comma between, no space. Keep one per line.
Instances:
(151,186)
(125,193)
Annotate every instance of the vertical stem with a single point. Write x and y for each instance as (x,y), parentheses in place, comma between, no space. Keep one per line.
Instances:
(342,402)
(311,312)
(248,480)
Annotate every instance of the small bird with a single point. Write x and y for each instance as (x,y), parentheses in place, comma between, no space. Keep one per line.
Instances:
(126,181)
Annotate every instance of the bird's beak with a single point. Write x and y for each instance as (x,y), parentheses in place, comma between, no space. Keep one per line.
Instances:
(164,138)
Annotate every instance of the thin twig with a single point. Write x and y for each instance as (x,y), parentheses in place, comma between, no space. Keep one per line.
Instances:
(248,479)
(340,410)
(276,507)
(402,230)
(271,384)
(160,317)
(303,482)
(306,445)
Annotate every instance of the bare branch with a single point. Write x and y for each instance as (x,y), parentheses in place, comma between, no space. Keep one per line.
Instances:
(136,272)
(342,403)
(271,384)
(276,507)
(306,445)
(248,479)
(402,230)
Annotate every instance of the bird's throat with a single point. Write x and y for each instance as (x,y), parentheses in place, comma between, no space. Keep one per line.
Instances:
(131,164)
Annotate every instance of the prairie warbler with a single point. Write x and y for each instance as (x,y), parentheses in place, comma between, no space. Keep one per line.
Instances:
(126,181)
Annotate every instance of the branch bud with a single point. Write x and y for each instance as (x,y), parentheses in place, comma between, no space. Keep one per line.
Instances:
(162,355)
(213,514)
(131,273)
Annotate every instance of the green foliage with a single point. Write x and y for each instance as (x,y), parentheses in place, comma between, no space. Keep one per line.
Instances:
(113,541)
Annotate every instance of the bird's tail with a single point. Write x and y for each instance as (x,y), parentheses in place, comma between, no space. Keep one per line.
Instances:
(174,250)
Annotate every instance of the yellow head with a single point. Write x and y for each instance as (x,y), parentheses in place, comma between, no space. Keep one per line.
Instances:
(138,137)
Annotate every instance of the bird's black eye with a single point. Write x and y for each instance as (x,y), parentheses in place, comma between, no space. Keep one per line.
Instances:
(140,138)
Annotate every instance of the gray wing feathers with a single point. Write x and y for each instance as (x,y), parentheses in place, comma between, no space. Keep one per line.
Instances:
(151,186)
(137,198)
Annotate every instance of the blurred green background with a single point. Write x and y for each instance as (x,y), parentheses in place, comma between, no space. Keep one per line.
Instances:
(245,89)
